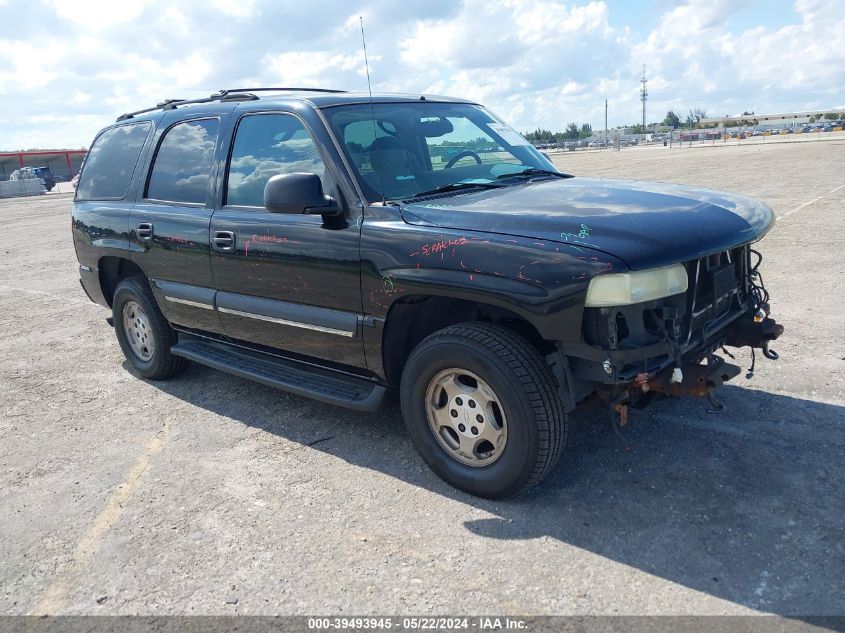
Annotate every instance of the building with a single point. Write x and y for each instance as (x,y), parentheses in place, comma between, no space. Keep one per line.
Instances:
(64,163)
(785,119)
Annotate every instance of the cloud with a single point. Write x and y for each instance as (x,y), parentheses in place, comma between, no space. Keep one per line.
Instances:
(240,9)
(475,38)
(696,61)
(313,69)
(98,14)
(68,69)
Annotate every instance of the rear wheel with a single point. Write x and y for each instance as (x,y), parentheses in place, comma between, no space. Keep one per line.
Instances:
(482,409)
(144,334)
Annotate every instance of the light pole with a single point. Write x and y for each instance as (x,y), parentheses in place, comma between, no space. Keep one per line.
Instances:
(644,97)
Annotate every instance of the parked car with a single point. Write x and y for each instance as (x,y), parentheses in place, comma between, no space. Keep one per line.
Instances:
(35,173)
(46,175)
(306,240)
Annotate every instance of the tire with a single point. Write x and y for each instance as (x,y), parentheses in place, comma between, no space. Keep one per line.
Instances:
(147,341)
(527,427)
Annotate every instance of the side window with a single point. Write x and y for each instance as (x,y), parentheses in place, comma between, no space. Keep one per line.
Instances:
(266,145)
(111,162)
(183,163)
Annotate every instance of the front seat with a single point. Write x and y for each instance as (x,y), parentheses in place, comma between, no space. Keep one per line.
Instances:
(395,169)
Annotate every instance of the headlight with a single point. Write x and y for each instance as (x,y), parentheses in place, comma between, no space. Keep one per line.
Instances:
(645,285)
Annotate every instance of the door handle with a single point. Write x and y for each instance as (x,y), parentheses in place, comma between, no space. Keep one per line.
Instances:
(144,231)
(223,241)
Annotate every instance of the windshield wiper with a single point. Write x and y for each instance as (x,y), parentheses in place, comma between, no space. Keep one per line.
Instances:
(534,171)
(458,186)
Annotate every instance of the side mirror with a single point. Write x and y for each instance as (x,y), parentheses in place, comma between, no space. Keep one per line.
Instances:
(298,193)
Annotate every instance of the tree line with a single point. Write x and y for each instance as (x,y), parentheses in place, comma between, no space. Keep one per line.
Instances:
(572,133)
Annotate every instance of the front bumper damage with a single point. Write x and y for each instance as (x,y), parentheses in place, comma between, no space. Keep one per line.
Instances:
(633,353)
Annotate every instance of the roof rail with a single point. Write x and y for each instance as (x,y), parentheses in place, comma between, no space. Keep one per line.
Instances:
(172,104)
(229,94)
(231,90)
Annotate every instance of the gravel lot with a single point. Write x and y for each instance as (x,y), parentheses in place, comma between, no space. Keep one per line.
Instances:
(213,495)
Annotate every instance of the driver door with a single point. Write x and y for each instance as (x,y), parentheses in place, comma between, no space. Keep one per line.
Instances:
(285,281)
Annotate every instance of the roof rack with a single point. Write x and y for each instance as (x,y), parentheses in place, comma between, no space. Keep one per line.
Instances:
(231,90)
(229,94)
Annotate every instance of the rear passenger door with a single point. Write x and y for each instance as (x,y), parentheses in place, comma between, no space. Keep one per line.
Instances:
(286,281)
(170,223)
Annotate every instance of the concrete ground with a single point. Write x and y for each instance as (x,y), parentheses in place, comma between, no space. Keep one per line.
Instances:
(213,495)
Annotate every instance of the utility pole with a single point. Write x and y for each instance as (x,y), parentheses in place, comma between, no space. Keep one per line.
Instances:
(644,96)
(605,122)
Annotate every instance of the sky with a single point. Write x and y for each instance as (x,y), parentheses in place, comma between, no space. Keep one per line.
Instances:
(69,68)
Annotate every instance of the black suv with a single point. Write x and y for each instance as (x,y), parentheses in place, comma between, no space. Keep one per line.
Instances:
(341,246)
(45,174)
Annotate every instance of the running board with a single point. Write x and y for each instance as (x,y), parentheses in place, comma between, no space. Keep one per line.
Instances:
(312,382)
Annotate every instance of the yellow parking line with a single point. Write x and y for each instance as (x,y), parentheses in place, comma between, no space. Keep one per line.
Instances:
(55,596)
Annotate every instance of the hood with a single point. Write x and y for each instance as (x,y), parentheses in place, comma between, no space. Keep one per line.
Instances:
(646,224)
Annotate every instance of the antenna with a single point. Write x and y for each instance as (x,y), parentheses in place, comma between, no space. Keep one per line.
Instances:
(372,106)
(367,66)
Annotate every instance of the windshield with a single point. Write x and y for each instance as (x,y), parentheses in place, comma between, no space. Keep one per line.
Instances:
(400,150)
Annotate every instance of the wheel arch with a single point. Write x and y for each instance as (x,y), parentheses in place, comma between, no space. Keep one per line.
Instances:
(112,271)
(414,317)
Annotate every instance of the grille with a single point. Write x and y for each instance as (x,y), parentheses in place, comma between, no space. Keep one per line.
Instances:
(718,282)
(723,281)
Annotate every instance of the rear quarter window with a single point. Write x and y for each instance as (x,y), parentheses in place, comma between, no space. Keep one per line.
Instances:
(111,162)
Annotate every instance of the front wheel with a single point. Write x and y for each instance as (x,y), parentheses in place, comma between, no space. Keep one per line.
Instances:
(482,409)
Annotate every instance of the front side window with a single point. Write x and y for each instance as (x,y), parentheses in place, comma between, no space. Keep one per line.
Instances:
(183,163)
(403,149)
(111,162)
(266,145)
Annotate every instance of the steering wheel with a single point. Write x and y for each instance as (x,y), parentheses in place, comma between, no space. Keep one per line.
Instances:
(461,155)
